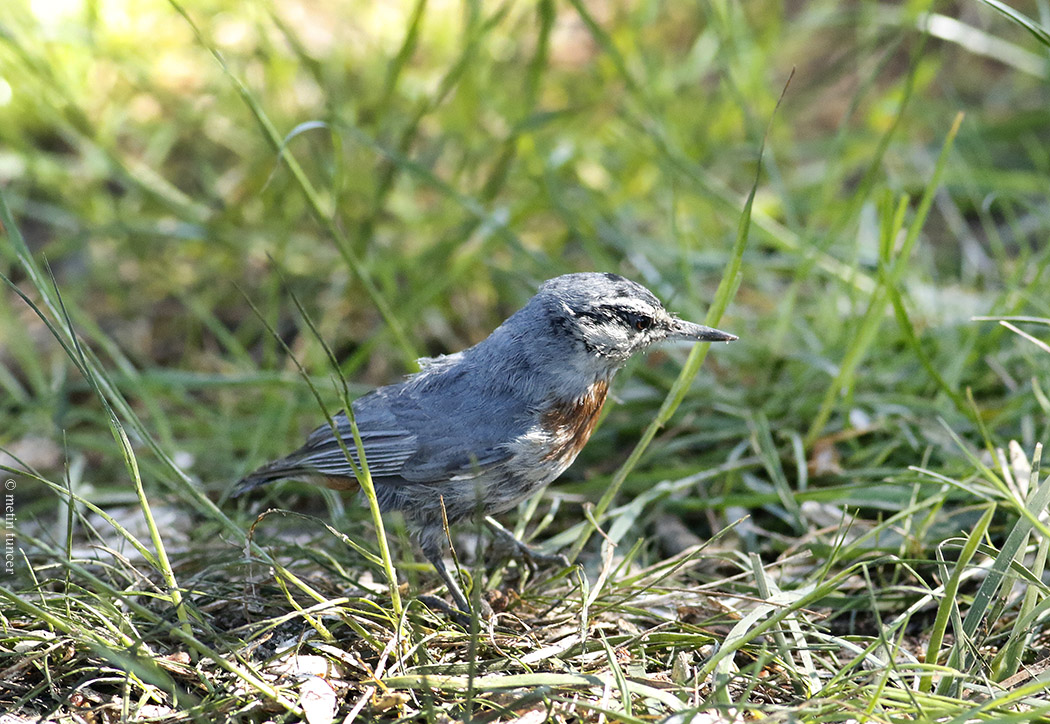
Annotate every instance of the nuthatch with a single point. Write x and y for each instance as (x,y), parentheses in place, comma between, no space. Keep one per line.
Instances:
(480,430)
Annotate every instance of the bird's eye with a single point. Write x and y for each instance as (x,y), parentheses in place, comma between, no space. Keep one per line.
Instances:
(640,322)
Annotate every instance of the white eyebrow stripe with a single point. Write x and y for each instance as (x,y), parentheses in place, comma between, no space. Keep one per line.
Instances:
(630,304)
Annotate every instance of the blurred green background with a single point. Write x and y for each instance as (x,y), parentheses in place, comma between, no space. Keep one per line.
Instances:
(412,170)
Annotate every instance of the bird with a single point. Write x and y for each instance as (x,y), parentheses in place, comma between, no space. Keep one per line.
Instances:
(480,430)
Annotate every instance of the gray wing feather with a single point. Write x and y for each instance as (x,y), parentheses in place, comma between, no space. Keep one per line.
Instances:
(434,426)
(461,429)
(386,443)
(419,436)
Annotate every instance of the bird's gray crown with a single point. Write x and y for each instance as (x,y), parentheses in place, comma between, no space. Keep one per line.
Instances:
(610,316)
(588,291)
(602,299)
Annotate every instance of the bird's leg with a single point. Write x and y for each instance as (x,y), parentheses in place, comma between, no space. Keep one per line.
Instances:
(524,551)
(433,553)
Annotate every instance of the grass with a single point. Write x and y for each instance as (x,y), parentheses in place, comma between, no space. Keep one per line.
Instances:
(223,220)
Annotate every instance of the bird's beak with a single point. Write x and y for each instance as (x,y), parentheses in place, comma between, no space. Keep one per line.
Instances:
(683,330)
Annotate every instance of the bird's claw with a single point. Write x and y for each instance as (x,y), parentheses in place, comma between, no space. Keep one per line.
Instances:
(533,556)
(522,551)
(458,615)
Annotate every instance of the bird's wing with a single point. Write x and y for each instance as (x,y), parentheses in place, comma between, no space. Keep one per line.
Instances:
(464,426)
(385,452)
(386,443)
(450,435)
(387,446)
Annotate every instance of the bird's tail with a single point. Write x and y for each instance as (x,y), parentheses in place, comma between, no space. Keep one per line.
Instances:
(283,469)
(294,467)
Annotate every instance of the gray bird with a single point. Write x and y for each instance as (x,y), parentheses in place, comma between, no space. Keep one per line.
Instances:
(483,429)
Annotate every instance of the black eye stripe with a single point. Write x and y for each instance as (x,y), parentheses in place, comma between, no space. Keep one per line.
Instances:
(598,315)
(630,318)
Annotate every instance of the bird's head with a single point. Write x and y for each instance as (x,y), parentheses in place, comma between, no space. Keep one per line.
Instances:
(614,318)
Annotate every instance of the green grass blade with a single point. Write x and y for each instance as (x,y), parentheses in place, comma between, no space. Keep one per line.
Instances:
(1038,31)
(983,599)
(949,601)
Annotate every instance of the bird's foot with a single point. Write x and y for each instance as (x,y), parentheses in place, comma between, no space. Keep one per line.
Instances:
(461,612)
(440,604)
(457,615)
(522,551)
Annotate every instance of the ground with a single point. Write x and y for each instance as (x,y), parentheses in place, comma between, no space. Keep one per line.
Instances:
(215,213)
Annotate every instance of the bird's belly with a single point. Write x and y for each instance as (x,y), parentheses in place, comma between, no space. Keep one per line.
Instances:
(548,448)
(527,473)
